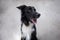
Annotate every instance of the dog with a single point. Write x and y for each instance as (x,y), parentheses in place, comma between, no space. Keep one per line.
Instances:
(28,20)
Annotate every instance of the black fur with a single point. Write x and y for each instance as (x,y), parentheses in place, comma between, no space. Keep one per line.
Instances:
(28,13)
(33,34)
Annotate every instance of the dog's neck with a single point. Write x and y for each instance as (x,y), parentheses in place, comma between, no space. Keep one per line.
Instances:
(27,30)
(30,24)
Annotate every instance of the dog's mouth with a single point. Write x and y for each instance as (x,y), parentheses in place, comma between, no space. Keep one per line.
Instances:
(34,20)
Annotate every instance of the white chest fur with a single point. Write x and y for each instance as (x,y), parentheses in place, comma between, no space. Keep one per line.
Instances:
(27,30)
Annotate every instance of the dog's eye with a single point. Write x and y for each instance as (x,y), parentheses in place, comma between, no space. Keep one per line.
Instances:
(34,9)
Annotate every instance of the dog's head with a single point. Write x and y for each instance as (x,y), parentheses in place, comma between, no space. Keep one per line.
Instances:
(29,14)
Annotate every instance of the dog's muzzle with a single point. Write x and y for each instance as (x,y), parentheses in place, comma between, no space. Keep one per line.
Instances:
(34,19)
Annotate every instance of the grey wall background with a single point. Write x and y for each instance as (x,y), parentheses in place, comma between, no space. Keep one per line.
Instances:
(48,25)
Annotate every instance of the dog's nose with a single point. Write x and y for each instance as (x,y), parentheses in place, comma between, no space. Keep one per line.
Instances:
(38,15)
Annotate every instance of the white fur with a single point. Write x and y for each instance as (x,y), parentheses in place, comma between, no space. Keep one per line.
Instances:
(27,30)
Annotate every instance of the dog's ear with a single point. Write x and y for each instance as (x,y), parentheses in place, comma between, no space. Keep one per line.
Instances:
(21,7)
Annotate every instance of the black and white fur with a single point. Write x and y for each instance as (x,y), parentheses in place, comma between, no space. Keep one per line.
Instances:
(28,18)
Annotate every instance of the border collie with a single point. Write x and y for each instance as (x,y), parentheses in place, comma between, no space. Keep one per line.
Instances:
(28,18)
